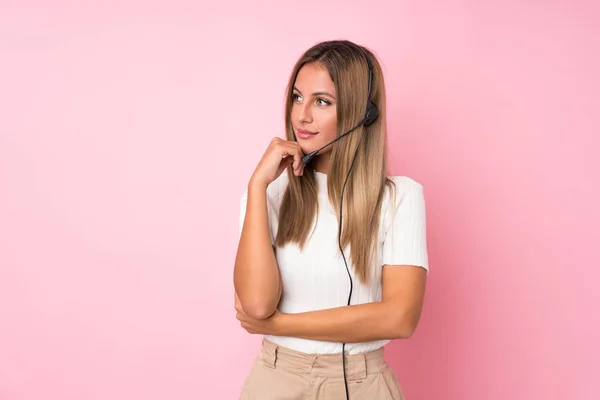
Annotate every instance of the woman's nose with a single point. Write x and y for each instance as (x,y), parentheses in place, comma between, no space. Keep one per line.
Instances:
(305,114)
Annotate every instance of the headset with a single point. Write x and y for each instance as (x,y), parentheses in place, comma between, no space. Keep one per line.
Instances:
(371,114)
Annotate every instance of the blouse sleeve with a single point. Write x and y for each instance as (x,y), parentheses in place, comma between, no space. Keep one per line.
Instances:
(405,241)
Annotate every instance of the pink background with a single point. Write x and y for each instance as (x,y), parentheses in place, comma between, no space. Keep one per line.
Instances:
(128,131)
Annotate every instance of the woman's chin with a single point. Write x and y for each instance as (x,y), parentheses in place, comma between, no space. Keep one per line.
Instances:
(310,146)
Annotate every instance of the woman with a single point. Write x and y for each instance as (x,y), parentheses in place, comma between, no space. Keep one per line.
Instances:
(315,282)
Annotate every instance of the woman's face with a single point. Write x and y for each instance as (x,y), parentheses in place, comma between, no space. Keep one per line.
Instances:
(314,115)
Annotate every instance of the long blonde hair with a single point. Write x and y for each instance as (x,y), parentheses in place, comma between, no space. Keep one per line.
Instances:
(363,195)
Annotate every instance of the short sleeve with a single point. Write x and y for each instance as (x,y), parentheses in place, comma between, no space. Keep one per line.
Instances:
(272,210)
(405,241)
(243,204)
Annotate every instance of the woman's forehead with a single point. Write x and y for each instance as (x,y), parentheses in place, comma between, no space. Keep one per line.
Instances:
(314,78)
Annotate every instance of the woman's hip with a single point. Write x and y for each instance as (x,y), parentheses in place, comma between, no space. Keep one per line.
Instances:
(283,373)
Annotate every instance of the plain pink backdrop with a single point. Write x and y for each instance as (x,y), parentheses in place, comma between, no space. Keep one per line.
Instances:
(128,132)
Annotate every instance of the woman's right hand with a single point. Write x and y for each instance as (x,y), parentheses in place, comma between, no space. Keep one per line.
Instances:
(279,155)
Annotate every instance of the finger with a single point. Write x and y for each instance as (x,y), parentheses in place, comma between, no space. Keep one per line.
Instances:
(284,152)
(296,153)
(242,316)
(289,154)
(292,153)
(284,164)
(287,160)
(298,158)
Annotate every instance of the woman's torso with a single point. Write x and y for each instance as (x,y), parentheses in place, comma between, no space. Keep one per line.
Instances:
(316,278)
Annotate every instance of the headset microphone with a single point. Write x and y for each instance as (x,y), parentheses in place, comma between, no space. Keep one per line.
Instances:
(306,159)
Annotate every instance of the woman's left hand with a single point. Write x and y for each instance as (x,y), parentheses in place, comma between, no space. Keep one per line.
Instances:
(257,326)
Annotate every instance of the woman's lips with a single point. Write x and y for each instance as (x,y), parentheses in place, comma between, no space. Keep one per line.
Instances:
(304,134)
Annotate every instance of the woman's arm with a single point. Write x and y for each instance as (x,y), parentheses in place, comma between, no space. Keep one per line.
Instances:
(353,324)
(256,274)
(395,317)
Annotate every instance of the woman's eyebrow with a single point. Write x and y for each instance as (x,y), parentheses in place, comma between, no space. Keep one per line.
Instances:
(317,93)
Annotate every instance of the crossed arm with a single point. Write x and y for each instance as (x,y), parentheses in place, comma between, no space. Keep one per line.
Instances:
(395,317)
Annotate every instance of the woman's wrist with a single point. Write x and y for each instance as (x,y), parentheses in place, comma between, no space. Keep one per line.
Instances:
(257,184)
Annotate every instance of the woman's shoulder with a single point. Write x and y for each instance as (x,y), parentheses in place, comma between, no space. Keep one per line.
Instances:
(405,194)
(400,187)
(404,184)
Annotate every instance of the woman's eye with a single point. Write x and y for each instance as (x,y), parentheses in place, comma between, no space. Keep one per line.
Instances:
(319,101)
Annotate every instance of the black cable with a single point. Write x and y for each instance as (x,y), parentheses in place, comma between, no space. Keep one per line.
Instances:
(344,257)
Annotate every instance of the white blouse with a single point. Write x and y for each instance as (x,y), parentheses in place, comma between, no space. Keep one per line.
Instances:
(316,278)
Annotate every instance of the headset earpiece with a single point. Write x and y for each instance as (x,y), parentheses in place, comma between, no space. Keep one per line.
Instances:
(371,114)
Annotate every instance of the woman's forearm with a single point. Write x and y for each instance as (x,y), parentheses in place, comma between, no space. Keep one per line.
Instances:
(352,324)
(256,275)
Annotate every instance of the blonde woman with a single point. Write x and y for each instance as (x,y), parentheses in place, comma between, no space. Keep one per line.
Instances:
(315,281)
